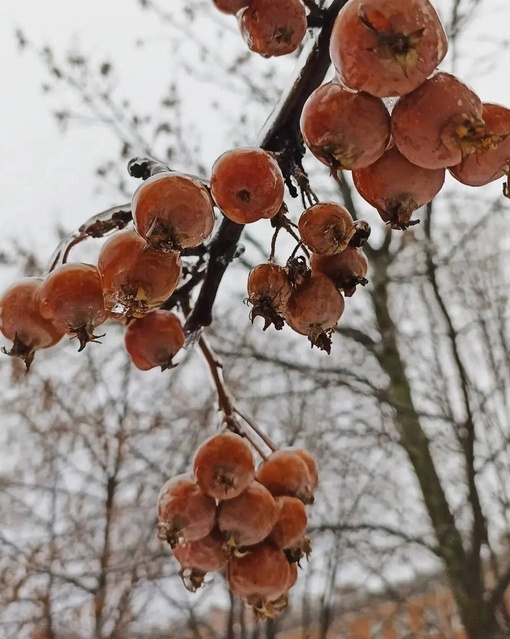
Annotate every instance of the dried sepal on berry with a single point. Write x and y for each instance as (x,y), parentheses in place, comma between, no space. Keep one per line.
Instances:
(269,291)
(303,549)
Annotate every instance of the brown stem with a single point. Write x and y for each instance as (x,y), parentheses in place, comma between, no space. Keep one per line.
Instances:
(280,132)
(267,441)
(225,400)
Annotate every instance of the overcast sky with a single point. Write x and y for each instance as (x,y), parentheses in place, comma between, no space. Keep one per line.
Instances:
(46,176)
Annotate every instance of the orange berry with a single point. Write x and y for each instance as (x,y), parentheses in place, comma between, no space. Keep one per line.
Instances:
(269,291)
(224,466)
(345,130)
(135,278)
(346,270)
(72,298)
(273,28)
(259,575)
(247,185)
(248,518)
(291,523)
(286,473)
(22,323)
(200,557)
(173,212)
(315,308)
(326,228)
(154,340)
(184,512)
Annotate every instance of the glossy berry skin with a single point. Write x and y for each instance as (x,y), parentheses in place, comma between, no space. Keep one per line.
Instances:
(396,187)
(184,512)
(247,185)
(291,523)
(345,130)
(346,270)
(248,518)
(387,47)
(259,575)
(223,466)
(173,212)
(72,298)
(21,320)
(285,473)
(135,279)
(273,28)
(269,291)
(230,7)
(492,160)
(154,340)
(326,228)
(439,123)
(314,310)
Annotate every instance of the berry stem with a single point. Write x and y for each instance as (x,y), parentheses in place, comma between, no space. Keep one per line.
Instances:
(267,441)
(226,401)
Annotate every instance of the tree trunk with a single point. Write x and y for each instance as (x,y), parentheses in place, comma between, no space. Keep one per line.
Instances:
(479,622)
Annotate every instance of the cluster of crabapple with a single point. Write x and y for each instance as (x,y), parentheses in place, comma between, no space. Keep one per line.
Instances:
(249,523)
(269,27)
(137,271)
(388,49)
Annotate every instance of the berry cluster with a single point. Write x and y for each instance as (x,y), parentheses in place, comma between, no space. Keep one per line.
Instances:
(228,516)
(386,49)
(138,270)
(269,27)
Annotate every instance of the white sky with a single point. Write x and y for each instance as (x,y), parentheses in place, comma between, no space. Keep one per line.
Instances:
(46,176)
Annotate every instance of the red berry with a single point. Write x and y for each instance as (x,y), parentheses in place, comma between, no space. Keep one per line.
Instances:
(269,291)
(135,278)
(396,188)
(314,310)
(326,228)
(224,466)
(439,123)
(387,47)
(154,340)
(492,160)
(231,6)
(21,320)
(72,298)
(285,473)
(346,270)
(173,212)
(273,28)
(345,130)
(247,185)
(184,512)
(247,519)
(291,523)
(260,575)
